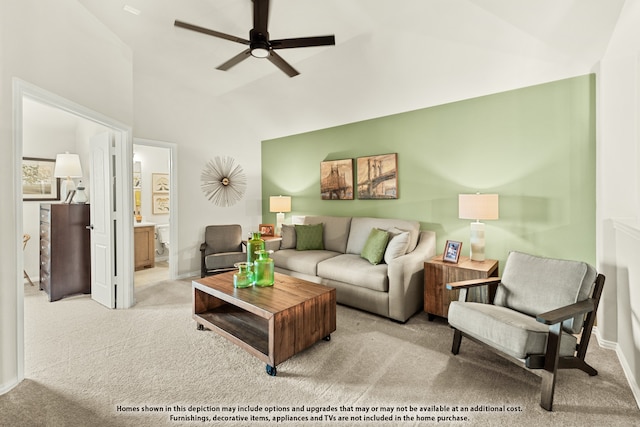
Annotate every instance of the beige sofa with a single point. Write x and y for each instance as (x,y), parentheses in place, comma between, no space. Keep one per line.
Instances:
(392,288)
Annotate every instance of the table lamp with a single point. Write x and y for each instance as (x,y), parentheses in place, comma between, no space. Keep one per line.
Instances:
(67,166)
(279,204)
(479,207)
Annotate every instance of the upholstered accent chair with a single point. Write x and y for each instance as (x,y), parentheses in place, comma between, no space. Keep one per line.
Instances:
(222,248)
(541,316)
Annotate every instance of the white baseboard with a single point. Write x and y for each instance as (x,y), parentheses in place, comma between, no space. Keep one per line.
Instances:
(188,275)
(626,368)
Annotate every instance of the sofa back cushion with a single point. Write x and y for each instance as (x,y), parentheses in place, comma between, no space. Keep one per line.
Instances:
(335,231)
(361,227)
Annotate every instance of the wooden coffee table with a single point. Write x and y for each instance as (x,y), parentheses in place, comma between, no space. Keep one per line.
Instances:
(271,323)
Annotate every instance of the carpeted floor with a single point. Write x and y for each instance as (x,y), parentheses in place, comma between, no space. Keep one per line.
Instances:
(149,366)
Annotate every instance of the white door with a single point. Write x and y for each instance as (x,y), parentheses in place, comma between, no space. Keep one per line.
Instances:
(102,213)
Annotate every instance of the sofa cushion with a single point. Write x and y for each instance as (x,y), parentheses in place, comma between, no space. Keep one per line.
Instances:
(514,333)
(397,246)
(288,235)
(355,270)
(309,237)
(301,261)
(361,227)
(375,246)
(534,285)
(336,231)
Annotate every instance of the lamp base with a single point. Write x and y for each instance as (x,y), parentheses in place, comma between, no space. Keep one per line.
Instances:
(279,222)
(66,187)
(476,241)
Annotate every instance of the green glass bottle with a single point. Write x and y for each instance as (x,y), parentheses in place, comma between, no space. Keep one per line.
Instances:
(263,269)
(243,278)
(254,244)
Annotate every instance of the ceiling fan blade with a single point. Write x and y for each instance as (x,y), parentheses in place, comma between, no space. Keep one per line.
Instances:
(260,16)
(235,60)
(282,64)
(303,42)
(210,32)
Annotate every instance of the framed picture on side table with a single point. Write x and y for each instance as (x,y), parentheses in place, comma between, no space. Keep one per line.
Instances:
(267,230)
(452,251)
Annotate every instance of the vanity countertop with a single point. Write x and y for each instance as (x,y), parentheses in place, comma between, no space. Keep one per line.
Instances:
(144,224)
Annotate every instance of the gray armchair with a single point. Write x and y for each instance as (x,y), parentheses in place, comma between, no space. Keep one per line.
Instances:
(540,308)
(222,248)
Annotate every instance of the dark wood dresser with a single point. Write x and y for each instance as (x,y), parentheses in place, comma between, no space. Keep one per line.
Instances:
(65,250)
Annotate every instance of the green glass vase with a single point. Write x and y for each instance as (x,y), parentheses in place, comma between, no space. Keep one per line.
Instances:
(254,244)
(263,269)
(243,278)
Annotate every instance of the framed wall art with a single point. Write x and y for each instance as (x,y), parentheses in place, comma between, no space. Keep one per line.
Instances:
(336,179)
(377,177)
(160,203)
(160,182)
(38,182)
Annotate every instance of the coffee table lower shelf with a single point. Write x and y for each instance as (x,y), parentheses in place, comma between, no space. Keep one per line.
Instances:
(272,323)
(242,327)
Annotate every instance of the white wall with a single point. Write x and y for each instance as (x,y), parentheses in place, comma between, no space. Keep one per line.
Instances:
(60,47)
(203,128)
(618,210)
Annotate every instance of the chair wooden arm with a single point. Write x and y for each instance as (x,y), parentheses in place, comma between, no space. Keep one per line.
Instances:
(203,247)
(465,284)
(567,312)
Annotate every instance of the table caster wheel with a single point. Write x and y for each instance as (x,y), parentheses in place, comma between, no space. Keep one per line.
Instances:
(200,327)
(271,370)
(327,338)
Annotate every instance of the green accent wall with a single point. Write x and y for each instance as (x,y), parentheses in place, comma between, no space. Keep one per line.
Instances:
(533,146)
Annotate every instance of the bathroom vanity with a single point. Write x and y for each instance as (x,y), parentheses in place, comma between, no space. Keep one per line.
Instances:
(144,245)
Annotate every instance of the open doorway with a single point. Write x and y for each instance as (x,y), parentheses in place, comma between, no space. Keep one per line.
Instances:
(154,190)
(76,123)
(37,112)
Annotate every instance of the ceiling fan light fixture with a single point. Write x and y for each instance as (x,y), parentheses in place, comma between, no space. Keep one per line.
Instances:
(259,50)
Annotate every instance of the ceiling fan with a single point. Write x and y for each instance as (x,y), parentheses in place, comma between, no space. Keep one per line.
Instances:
(259,44)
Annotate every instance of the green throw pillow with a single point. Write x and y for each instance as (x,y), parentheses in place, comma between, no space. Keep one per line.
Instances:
(375,246)
(309,237)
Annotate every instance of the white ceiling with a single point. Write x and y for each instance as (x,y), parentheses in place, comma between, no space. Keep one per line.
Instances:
(408,53)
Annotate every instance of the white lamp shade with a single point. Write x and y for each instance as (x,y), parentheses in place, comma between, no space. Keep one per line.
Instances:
(68,165)
(280,204)
(478,206)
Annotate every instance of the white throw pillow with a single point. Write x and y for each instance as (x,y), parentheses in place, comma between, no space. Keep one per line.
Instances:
(398,244)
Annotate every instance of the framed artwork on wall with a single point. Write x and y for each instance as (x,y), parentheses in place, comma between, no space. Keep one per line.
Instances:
(160,182)
(38,182)
(377,177)
(336,179)
(160,203)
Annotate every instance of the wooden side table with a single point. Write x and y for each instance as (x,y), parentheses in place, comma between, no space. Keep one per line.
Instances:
(438,273)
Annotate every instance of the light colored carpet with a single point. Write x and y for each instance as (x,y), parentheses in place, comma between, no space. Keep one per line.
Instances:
(89,366)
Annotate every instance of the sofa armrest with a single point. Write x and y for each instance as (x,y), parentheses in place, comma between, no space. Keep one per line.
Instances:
(406,278)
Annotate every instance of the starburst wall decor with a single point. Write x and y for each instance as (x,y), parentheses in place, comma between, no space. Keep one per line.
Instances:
(223,181)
